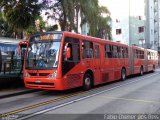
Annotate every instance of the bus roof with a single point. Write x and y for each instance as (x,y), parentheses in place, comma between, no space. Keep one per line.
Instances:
(83,37)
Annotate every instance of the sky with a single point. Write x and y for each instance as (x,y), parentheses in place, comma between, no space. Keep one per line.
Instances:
(120,8)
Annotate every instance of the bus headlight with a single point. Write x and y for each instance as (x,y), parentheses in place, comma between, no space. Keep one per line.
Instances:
(53,75)
(26,75)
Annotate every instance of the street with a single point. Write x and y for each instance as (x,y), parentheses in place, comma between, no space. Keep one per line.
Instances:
(136,95)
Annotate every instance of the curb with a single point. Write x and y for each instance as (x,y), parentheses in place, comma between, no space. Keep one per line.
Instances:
(17,93)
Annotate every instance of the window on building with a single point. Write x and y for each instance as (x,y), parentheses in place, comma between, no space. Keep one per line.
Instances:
(117,20)
(139,17)
(118,31)
(141,29)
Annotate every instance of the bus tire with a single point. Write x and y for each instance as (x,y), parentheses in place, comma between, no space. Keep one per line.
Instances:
(87,82)
(153,68)
(123,74)
(141,71)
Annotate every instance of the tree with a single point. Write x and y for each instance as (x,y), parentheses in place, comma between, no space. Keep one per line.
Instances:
(52,28)
(63,12)
(69,12)
(103,27)
(88,10)
(21,14)
(5,29)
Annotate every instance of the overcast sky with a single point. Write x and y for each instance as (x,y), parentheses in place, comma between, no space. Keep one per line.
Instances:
(120,8)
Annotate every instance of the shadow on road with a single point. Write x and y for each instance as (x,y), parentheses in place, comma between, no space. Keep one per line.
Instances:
(6,83)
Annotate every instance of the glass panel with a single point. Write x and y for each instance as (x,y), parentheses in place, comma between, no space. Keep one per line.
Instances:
(97,51)
(43,55)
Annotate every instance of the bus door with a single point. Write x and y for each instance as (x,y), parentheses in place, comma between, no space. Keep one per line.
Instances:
(71,62)
(97,64)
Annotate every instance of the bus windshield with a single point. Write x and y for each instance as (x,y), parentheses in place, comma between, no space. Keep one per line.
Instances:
(43,54)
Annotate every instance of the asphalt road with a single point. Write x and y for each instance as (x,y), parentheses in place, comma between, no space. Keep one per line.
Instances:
(138,95)
(141,98)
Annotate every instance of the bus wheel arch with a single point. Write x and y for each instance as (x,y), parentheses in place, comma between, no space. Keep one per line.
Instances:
(88,80)
(123,73)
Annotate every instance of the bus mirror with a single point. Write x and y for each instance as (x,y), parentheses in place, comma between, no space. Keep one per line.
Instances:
(68,52)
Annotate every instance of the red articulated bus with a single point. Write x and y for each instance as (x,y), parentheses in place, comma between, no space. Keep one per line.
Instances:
(64,60)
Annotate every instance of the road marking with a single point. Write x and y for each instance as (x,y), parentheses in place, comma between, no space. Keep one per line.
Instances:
(129,99)
(69,96)
(39,104)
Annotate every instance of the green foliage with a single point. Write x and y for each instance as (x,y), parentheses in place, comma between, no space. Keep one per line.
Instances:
(21,14)
(5,30)
(103,26)
(69,12)
(52,28)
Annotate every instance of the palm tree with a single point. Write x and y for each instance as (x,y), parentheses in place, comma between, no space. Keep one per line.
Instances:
(20,14)
(88,13)
(69,12)
(104,28)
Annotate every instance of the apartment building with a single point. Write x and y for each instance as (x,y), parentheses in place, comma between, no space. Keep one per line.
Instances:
(134,22)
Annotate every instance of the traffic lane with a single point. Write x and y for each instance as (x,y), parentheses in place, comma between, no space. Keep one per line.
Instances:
(20,101)
(23,101)
(139,97)
(95,90)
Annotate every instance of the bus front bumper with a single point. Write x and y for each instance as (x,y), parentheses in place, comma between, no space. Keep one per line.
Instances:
(44,83)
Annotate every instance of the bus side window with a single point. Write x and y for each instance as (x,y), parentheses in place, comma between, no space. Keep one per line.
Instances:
(149,55)
(97,54)
(119,52)
(126,52)
(115,52)
(108,51)
(87,49)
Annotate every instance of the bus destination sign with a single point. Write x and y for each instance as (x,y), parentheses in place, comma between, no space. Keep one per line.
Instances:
(46,37)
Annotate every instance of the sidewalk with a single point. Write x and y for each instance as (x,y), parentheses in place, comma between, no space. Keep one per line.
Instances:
(13,92)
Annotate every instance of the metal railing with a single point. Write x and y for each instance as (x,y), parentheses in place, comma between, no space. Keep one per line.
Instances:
(11,67)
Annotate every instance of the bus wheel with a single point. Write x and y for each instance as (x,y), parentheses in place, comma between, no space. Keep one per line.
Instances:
(141,71)
(123,74)
(87,82)
(153,68)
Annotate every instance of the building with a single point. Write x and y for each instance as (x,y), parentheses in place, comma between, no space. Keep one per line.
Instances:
(134,22)
(128,21)
(152,24)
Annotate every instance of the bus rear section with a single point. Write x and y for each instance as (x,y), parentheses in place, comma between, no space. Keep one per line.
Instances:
(152,60)
(142,60)
(137,60)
